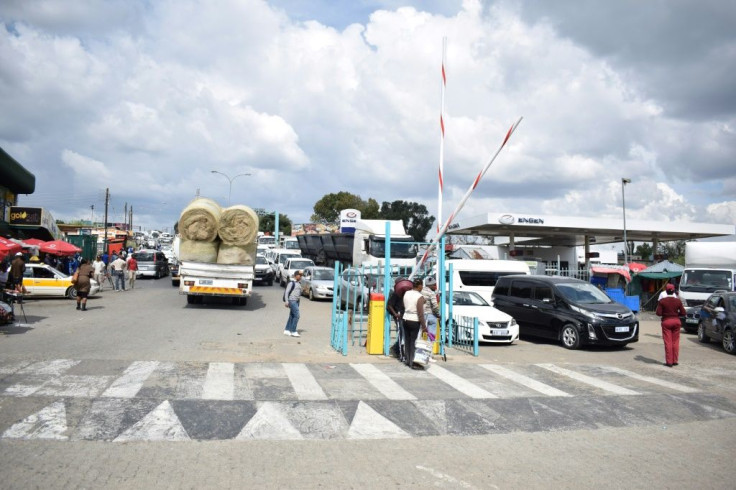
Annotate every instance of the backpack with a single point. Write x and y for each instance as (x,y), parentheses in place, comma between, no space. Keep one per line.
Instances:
(288,291)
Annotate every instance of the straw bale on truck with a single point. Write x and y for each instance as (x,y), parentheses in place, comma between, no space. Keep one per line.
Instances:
(217,250)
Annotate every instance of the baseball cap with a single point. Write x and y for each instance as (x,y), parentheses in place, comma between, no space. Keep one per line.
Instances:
(19,253)
(430,281)
(670,287)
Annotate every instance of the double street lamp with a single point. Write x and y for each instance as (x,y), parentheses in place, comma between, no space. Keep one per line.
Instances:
(230,192)
(625,181)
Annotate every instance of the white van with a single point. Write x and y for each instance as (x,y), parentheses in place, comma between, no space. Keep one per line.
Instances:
(480,275)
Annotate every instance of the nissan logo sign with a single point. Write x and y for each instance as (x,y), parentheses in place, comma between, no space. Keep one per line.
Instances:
(351,214)
(506,219)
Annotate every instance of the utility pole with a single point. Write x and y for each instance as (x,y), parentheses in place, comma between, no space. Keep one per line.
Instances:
(130,220)
(92,218)
(125,215)
(107,203)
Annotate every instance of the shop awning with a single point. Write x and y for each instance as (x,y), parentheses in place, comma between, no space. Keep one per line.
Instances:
(599,269)
(662,270)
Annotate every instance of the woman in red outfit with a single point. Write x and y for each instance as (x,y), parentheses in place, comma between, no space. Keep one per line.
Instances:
(670,309)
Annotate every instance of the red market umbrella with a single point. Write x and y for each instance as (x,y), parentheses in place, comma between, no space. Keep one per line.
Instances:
(636,267)
(8,247)
(33,242)
(59,247)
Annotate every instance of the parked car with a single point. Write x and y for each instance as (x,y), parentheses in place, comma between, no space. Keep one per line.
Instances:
(264,273)
(151,263)
(291,266)
(44,280)
(355,286)
(318,282)
(494,325)
(174,271)
(565,309)
(718,320)
(280,260)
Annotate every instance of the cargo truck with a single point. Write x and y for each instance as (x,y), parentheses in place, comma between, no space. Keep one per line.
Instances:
(199,280)
(365,247)
(709,267)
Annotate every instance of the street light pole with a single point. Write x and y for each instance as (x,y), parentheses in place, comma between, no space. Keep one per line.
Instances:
(230,191)
(624,181)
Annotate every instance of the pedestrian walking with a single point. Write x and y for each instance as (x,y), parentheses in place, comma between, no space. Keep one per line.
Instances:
(671,309)
(292,295)
(98,266)
(132,270)
(431,305)
(118,271)
(15,274)
(414,319)
(83,284)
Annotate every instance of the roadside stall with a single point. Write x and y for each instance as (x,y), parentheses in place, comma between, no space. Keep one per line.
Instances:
(651,281)
(614,280)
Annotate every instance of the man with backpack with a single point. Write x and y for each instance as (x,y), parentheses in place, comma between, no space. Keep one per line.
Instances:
(292,294)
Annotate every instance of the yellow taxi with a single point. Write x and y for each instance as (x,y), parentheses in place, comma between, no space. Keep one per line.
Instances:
(44,280)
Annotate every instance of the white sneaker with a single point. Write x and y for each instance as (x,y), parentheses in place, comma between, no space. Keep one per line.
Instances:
(295,334)
(286,332)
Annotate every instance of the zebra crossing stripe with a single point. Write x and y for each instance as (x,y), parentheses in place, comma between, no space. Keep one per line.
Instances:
(48,423)
(649,379)
(303,382)
(129,384)
(219,383)
(380,381)
(524,380)
(597,383)
(460,384)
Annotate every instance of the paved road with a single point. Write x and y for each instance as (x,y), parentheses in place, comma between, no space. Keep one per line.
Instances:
(143,390)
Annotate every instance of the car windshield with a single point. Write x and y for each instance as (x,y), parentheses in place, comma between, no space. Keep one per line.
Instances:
(291,245)
(300,264)
(324,275)
(705,280)
(261,260)
(399,249)
(583,292)
(464,298)
(284,257)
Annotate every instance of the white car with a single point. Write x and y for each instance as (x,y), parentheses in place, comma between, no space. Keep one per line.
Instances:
(494,326)
(291,266)
(43,280)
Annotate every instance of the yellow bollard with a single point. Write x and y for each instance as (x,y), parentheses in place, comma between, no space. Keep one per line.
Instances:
(376,315)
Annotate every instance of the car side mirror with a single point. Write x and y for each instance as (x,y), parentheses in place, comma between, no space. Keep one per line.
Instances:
(719,309)
(548,301)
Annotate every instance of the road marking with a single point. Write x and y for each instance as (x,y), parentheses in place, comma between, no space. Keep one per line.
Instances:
(271,423)
(597,383)
(47,423)
(40,373)
(369,424)
(303,382)
(129,384)
(462,385)
(219,383)
(161,424)
(524,380)
(649,379)
(387,386)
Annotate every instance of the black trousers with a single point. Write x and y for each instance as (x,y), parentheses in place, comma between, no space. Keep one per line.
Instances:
(411,333)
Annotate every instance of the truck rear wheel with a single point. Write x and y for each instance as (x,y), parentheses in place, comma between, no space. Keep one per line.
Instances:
(191,299)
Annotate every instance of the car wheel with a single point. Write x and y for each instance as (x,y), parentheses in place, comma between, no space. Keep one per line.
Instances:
(71,293)
(729,341)
(702,336)
(311,295)
(570,337)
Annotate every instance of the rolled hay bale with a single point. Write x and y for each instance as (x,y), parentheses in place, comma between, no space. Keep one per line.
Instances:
(198,251)
(238,225)
(237,254)
(199,220)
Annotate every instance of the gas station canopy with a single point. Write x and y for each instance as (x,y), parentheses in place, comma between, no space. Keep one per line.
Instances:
(569,231)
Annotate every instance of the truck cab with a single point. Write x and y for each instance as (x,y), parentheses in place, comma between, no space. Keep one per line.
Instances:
(369,245)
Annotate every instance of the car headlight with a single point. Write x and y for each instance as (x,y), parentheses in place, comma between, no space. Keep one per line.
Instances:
(512,322)
(587,313)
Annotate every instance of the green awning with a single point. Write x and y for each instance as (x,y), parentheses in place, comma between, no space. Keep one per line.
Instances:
(14,176)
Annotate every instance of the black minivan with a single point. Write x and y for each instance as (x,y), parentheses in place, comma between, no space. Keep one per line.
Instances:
(569,310)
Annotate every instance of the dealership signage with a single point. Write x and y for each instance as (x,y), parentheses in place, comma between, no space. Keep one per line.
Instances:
(509,219)
(348,219)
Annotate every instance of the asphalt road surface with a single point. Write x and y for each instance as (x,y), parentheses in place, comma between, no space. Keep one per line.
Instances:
(143,390)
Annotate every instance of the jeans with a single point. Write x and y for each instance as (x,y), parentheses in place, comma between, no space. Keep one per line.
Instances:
(293,316)
(119,280)
(432,324)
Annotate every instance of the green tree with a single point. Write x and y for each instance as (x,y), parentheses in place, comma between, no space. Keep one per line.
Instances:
(645,251)
(327,209)
(267,222)
(416,218)
(673,251)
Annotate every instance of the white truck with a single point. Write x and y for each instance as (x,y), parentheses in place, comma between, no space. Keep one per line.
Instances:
(366,246)
(199,280)
(709,267)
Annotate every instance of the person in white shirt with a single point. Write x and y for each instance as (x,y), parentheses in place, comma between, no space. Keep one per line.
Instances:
(98,268)
(118,270)
(414,319)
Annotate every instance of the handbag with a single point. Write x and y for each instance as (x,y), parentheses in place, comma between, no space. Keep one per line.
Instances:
(422,351)
(75,277)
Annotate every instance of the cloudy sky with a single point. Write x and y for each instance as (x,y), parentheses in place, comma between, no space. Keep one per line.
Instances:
(147,97)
